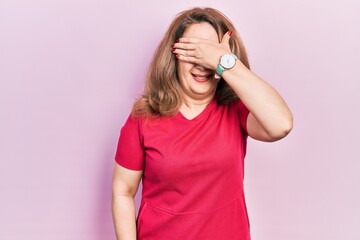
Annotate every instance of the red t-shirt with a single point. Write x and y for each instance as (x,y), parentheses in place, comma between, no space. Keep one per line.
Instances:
(193,173)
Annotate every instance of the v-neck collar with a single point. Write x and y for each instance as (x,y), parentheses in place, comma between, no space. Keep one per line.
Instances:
(201,115)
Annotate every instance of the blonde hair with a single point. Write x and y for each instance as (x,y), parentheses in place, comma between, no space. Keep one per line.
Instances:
(162,95)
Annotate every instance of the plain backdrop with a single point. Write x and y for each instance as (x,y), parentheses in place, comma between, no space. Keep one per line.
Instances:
(70,71)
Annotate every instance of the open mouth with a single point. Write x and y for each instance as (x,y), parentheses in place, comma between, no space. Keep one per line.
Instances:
(202,77)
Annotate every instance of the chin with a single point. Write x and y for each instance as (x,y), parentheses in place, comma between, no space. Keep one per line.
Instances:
(199,85)
(204,89)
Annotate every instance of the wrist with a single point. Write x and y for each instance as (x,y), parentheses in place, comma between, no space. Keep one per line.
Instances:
(238,73)
(226,62)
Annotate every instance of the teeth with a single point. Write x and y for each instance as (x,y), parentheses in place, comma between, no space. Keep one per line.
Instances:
(201,77)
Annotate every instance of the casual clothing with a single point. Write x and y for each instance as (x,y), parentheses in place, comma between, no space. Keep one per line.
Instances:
(193,173)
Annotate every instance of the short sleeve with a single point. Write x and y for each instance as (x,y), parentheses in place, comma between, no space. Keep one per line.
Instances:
(130,150)
(243,112)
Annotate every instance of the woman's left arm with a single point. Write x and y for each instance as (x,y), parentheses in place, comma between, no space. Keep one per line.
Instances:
(270,119)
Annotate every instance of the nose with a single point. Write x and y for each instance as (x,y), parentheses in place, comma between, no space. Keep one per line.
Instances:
(201,68)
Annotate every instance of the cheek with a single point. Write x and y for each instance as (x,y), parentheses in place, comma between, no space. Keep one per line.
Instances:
(184,68)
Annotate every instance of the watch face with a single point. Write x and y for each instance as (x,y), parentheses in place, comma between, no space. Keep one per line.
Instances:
(228,61)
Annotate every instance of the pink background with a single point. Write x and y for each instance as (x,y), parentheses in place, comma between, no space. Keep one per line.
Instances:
(70,71)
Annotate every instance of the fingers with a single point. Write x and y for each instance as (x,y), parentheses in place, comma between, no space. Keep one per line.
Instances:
(186,53)
(185,46)
(187,59)
(226,37)
(188,43)
(188,47)
(184,49)
(204,52)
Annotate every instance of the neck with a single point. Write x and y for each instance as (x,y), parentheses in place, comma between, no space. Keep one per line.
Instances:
(196,104)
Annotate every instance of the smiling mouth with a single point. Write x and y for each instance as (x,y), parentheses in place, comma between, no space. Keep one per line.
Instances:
(202,77)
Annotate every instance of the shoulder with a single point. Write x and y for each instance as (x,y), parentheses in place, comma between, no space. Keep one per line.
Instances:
(140,122)
(133,124)
(237,109)
(236,105)
(133,120)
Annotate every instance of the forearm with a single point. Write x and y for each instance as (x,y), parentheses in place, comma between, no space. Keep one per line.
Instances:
(263,101)
(123,210)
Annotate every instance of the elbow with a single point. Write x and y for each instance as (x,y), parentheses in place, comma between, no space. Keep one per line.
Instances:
(282,130)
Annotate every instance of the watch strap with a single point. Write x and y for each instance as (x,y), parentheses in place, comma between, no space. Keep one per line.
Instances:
(220,70)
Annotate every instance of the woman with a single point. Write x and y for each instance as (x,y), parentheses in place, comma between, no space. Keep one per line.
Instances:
(186,136)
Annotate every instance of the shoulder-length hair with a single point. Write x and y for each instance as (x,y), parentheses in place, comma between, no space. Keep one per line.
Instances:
(162,95)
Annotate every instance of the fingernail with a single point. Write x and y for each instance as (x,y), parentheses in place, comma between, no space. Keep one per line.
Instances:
(173,49)
(177,55)
(230,32)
